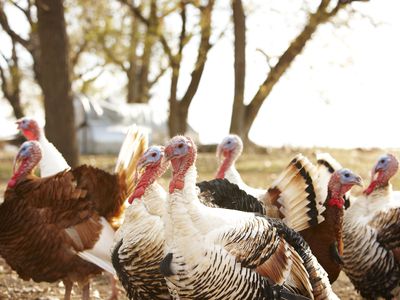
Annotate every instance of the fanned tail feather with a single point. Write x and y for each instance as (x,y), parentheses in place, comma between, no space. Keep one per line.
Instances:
(300,199)
(133,147)
(299,277)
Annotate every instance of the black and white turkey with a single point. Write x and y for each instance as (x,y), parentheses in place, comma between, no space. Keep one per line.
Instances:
(372,235)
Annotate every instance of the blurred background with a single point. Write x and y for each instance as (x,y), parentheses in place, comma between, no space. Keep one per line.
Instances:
(278,73)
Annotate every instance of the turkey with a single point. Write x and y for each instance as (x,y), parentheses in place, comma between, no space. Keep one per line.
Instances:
(52,160)
(326,239)
(302,197)
(372,235)
(210,252)
(139,242)
(230,150)
(52,227)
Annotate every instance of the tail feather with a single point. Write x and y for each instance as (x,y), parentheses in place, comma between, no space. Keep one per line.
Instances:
(133,147)
(300,200)
(319,280)
(299,276)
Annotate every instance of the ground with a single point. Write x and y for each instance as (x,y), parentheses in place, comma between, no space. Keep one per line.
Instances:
(257,170)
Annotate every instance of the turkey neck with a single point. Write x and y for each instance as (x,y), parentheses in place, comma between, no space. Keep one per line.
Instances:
(334,218)
(154,199)
(226,165)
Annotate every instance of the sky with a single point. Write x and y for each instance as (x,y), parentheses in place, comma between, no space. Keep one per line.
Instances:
(341,92)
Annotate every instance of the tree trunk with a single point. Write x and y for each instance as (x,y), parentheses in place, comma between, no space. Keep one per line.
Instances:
(239,22)
(132,69)
(174,116)
(321,16)
(55,77)
(149,40)
(179,110)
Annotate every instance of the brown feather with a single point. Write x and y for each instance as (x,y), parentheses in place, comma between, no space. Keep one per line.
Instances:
(34,222)
(320,238)
(107,191)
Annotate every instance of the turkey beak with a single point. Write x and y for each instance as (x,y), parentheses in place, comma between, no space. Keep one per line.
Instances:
(18,122)
(140,165)
(358,181)
(375,173)
(139,169)
(168,154)
(219,152)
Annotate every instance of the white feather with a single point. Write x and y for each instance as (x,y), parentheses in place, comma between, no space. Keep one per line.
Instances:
(100,254)
(52,161)
(233,176)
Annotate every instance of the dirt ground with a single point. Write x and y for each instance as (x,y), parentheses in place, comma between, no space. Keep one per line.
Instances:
(250,166)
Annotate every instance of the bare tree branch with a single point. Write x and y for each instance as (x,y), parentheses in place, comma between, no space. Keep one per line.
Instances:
(267,57)
(4,84)
(26,12)
(7,60)
(90,69)
(6,26)
(182,36)
(167,12)
(136,11)
(335,10)
(110,55)
(204,47)
(322,15)
(81,48)
(158,76)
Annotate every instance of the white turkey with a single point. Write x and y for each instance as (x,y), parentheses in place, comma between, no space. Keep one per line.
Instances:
(212,251)
(229,150)
(139,242)
(372,235)
(52,160)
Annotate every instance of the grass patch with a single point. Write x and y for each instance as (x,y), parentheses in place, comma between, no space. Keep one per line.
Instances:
(258,170)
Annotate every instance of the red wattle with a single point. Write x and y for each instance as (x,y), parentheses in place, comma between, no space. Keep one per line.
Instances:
(11,183)
(338,202)
(136,194)
(224,166)
(30,136)
(220,174)
(176,184)
(370,188)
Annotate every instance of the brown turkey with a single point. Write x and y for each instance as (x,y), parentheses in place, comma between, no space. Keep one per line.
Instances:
(61,227)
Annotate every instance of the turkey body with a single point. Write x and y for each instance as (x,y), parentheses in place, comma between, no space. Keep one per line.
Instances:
(218,265)
(372,244)
(325,240)
(43,224)
(139,247)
